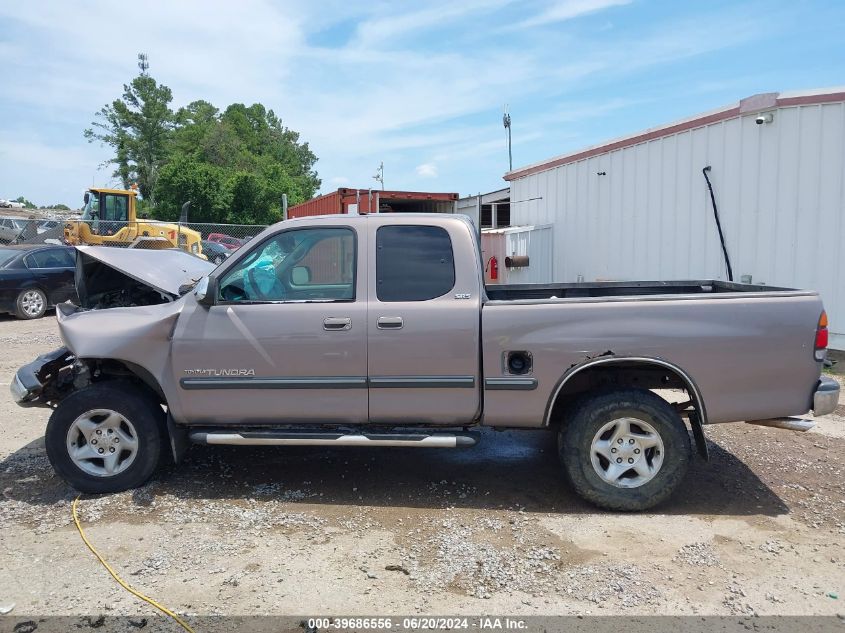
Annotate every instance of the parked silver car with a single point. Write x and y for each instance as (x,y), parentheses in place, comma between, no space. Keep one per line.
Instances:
(11,228)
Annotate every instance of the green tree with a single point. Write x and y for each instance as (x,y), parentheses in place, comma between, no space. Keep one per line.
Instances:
(257,159)
(137,126)
(185,178)
(26,203)
(234,165)
(248,201)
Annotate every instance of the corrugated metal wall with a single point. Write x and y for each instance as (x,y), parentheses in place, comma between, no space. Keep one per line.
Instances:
(538,244)
(535,241)
(780,189)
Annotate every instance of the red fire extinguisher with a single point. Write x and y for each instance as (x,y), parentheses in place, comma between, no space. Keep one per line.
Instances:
(493,268)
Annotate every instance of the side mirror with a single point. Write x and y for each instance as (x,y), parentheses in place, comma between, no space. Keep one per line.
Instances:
(300,275)
(86,197)
(206,291)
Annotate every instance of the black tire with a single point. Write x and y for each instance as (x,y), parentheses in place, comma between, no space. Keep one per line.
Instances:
(587,418)
(136,405)
(24,301)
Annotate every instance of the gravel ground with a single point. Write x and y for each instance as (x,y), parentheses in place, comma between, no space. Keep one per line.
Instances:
(306,530)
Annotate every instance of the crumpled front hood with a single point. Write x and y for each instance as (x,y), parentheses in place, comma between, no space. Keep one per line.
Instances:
(165,271)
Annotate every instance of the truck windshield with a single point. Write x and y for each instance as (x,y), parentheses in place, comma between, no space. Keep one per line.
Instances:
(91,207)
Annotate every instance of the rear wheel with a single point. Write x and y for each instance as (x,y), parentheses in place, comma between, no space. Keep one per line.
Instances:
(624,450)
(106,438)
(31,304)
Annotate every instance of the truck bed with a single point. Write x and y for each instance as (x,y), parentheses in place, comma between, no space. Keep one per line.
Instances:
(749,348)
(516,292)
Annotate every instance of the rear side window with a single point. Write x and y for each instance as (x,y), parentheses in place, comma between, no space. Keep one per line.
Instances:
(413,263)
(57,258)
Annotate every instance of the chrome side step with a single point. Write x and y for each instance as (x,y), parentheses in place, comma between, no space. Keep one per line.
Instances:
(291,438)
(789,424)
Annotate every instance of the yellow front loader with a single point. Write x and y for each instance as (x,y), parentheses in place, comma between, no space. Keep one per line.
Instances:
(109,218)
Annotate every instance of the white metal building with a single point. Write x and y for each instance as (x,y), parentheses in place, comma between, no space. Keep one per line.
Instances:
(639,208)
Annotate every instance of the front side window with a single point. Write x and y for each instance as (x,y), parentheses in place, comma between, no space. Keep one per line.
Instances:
(413,263)
(92,207)
(298,265)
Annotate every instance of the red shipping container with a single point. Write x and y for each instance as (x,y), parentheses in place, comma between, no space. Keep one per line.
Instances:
(340,201)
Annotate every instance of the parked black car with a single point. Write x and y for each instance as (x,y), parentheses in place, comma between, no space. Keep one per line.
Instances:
(216,253)
(34,278)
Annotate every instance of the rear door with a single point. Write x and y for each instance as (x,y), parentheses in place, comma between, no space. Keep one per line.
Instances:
(423,324)
(54,271)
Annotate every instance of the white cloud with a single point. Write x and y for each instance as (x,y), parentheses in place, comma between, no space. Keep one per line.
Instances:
(352,78)
(378,31)
(48,172)
(427,170)
(564,10)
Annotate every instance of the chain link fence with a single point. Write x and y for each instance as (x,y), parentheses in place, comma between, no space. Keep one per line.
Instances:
(213,241)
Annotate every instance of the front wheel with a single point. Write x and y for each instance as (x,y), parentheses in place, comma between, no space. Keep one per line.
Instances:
(625,449)
(106,438)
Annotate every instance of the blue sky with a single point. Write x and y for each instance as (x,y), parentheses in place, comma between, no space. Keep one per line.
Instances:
(419,86)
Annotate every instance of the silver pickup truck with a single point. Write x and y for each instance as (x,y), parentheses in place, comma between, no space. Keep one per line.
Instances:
(378,331)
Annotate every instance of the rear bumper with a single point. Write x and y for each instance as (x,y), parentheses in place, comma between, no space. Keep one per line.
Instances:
(826,397)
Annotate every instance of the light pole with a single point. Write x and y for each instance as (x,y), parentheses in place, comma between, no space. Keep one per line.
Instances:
(506,121)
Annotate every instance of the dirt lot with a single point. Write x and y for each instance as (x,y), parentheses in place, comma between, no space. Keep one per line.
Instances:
(760,529)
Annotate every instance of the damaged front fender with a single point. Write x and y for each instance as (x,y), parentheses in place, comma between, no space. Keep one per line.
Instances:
(130,301)
(138,338)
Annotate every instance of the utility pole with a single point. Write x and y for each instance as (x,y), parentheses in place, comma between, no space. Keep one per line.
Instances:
(379,177)
(506,120)
(143,63)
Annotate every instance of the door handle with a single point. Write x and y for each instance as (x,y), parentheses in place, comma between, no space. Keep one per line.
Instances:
(390,323)
(337,323)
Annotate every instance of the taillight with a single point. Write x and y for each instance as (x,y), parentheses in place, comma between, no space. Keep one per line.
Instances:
(820,350)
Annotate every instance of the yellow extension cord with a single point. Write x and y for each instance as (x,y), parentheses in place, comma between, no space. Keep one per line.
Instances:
(120,580)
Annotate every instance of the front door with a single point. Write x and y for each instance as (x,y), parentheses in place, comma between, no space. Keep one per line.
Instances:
(114,213)
(423,325)
(285,342)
